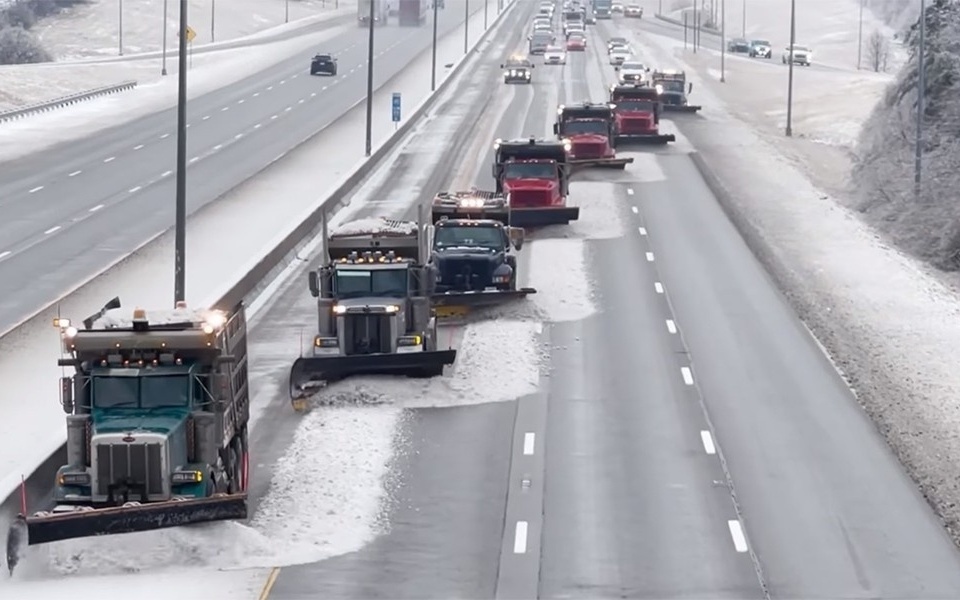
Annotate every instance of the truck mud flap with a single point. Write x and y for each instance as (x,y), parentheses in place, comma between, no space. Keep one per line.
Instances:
(121,519)
(680,109)
(602,163)
(541,217)
(308,371)
(458,304)
(628,140)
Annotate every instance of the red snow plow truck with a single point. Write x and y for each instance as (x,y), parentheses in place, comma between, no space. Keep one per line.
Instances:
(589,129)
(534,176)
(637,111)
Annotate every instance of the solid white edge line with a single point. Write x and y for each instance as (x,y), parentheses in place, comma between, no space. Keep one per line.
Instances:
(687,375)
(529,441)
(649,256)
(658,286)
(736,532)
(707,440)
(671,326)
(520,538)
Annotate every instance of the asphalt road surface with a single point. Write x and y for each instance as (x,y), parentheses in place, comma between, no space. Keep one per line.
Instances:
(76,208)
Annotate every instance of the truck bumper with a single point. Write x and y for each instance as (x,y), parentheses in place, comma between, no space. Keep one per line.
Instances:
(656,139)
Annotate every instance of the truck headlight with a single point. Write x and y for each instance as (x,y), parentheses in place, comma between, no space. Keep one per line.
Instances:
(410,340)
(186,477)
(339,309)
(65,479)
(393,308)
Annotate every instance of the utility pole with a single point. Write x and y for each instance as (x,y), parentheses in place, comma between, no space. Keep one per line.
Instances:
(286,12)
(921,85)
(723,41)
(793,39)
(743,28)
(485,2)
(163,67)
(180,244)
(433,67)
(369,142)
(466,27)
(659,7)
(120,25)
(213,20)
(860,36)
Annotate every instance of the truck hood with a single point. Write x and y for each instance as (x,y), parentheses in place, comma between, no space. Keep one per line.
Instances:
(529,185)
(156,420)
(587,138)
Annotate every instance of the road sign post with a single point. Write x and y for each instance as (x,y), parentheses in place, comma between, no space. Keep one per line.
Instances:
(396,110)
(191,34)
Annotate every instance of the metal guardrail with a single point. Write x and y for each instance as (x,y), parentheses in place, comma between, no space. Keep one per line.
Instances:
(42,107)
(673,21)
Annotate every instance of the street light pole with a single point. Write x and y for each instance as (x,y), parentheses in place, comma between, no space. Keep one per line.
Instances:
(286,11)
(793,39)
(433,67)
(723,41)
(860,36)
(120,25)
(695,23)
(369,142)
(921,85)
(485,2)
(163,67)
(743,28)
(180,243)
(213,20)
(466,27)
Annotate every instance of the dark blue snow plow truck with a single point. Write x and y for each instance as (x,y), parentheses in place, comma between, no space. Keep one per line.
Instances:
(157,411)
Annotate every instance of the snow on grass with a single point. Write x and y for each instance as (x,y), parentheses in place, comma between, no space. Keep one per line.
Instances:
(497,361)
(558,271)
(93,29)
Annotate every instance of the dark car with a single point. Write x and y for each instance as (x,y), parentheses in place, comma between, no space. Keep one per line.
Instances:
(517,70)
(738,46)
(473,255)
(761,49)
(323,64)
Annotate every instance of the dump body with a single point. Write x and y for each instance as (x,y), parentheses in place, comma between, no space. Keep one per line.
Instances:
(157,411)
(377,8)
(373,307)
(637,115)
(534,177)
(589,130)
(412,13)
(673,89)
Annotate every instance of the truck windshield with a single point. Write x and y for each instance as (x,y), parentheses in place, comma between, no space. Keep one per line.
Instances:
(530,171)
(671,86)
(154,391)
(352,283)
(575,127)
(635,105)
(471,237)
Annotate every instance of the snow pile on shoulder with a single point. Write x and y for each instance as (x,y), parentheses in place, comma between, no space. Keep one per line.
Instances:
(928,226)
(375,226)
(558,271)
(497,361)
(602,207)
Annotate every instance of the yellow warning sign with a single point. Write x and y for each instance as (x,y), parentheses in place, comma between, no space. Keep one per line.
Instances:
(191,34)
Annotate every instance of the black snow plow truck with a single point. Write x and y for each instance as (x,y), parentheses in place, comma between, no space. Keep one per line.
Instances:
(472,242)
(157,411)
(374,305)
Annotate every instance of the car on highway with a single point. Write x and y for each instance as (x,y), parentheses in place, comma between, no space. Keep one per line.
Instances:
(632,72)
(555,55)
(517,70)
(797,54)
(634,11)
(590,19)
(323,64)
(539,41)
(616,7)
(616,41)
(575,30)
(738,46)
(761,49)
(619,54)
(542,27)
(576,43)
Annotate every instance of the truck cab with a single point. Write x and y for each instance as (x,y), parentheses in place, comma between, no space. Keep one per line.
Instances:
(589,131)
(673,89)
(534,176)
(474,255)
(637,113)
(378,10)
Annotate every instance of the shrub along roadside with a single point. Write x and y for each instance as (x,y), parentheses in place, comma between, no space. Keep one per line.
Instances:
(18,45)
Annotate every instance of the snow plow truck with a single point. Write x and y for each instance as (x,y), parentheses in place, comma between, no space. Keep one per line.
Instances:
(534,176)
(157,411)
(673,89)
(637,111)
(374,308)
(589,129)
(471,249)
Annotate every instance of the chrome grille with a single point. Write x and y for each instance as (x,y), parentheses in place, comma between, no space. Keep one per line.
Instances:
(137,464)
(589,149)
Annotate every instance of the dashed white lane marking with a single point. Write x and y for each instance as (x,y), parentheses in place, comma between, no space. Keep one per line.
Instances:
(313,94)
(188,126)
(270,87)
(629,191)
(206,118)
(707,440)
(300,101)
(51,230)
(520,538)
(687,375)
(634,209)
(529,441)
(238,136)
(217,147)
(111,159)
(323,88)
(257,126)
(736,532)
(96,208)
(642,230)
(256,94)
(194,159)
(658,286)
(164,136)
(225,109)
(5,254)
(288,109)
(138,147)
(166,174)
(134,190)
(75,173)
(283,81)
(241,101)
(649,256)
(36,189)
(274,117)
(671,326)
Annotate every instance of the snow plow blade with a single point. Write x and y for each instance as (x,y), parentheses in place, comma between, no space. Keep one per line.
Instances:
(458,304)
(603,163)
(128,519)
(688,108)
(308,371)
(541,217)
(662,138)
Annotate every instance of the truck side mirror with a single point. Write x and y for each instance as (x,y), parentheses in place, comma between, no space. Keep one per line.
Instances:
(314,282)
(689,87)
(616,68)
(503,67)
(516,237)
(556,129)
(66,394)
(647,69)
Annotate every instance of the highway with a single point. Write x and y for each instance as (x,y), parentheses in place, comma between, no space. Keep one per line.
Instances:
(72,210)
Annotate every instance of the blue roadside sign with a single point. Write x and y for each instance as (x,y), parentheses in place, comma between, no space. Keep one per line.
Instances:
(396,107)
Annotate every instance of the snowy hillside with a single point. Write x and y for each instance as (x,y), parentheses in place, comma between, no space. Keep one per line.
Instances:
(899,14)
(928,227)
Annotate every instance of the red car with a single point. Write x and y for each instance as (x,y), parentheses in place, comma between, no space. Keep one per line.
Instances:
(576,42)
